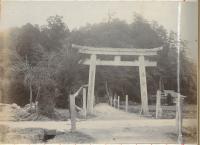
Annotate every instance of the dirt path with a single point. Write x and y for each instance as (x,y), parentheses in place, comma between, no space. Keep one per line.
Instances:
(114,126)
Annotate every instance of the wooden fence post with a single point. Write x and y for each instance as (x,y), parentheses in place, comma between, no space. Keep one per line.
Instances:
(114,101)
(158,104)
(118,103)
(72,113)
(126,103)
(111,101)
(84,102)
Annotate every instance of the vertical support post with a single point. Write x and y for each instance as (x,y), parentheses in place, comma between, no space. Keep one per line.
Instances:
(118,103)
(179,107)
(1,97)
(158,104)
(111,100)
(94,100)
(114,101)
(91,84)
(84,102)
(177,115)
(117,59)
(126,103)
(72,113)
(179,119)
(143,86)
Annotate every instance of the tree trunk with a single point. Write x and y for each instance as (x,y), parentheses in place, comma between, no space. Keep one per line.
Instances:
(46,101)
(36,100)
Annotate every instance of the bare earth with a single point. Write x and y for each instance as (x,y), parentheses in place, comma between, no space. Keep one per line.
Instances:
(109,126)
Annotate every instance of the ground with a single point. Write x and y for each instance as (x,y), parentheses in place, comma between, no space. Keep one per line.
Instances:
(109,125)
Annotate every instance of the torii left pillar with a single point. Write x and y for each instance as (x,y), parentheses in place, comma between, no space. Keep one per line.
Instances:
(91,84)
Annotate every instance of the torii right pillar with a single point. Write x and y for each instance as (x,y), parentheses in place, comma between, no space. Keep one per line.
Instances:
(143,85)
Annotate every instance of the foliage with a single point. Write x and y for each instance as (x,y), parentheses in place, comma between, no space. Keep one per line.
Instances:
(139,34)
(40,64)
(43,57)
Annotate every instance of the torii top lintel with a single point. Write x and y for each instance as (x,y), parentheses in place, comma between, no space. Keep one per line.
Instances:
(116,51)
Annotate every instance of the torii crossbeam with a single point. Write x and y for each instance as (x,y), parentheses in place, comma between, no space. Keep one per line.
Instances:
(117,53)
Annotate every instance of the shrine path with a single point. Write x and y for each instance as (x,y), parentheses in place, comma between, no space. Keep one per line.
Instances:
(114,126)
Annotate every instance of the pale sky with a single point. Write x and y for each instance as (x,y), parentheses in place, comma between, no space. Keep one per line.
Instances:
(77,13)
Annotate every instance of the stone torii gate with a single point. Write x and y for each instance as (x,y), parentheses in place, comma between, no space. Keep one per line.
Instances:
(142,63)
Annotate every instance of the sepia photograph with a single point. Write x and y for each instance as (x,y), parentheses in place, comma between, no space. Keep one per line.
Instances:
(98,72)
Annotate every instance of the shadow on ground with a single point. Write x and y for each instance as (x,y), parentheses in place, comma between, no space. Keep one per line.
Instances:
(37,135)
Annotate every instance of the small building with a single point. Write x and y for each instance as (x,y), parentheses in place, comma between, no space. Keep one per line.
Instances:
(174,95)
(168,97)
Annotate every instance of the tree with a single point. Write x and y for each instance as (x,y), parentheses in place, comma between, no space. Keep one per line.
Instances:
(36,61)
(54,34)
(143,34)
(26,52)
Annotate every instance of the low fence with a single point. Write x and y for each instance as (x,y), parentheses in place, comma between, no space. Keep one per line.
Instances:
(74,107)
(115,102)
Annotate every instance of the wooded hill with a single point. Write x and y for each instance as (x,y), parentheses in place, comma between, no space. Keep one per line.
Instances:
(44,67)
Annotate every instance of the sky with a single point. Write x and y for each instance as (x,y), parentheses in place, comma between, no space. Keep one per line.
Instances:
(79,13)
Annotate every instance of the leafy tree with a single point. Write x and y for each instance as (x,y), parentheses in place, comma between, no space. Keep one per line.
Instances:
(28,44)
(54,34)
(26,51)
(143,35)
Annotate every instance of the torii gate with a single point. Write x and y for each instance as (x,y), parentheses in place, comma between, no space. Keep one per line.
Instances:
(142,63)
